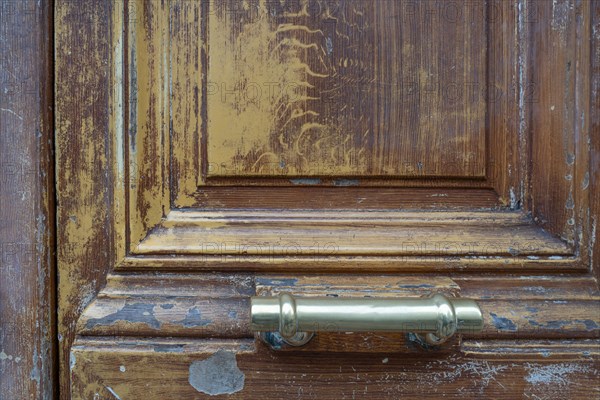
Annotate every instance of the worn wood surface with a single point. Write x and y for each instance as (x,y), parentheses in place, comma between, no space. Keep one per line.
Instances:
(559,126)
(133,129)
(530,346)
(490,97)
(145,116)
(594,188)
(87,168)
(127,370)
(348,233)
(345,88)
(27,304)
(218,306)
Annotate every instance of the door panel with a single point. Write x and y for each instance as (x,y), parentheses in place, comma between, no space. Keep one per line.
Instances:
(208,152)
(345,88)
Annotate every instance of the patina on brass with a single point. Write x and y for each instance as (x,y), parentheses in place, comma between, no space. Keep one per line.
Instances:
(296,318)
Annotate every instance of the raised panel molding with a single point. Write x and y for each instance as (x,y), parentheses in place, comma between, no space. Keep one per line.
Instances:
(167,116)
(135,204)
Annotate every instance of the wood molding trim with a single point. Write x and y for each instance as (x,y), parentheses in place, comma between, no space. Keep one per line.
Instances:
(205,306)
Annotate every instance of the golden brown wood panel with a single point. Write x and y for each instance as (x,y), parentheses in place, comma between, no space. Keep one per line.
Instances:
(147,118)
(346,88)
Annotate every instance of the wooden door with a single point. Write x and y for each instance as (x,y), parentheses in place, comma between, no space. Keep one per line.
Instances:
(209,151)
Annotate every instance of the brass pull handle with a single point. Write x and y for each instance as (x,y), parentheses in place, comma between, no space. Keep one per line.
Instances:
(297,318)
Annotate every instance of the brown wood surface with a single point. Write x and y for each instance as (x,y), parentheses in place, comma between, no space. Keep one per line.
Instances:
(594,188)
(193,96)
(350,233)
(139,369)
(560,135)
(86,215)
(27,267)
(345,88)
(143,302)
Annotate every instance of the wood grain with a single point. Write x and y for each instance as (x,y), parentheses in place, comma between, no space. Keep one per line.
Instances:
(130,138)
(354,264)
(178,305)
(529,370)
(148,116)
(559,116)
(594,189)
(27,215)
(345,88)
(344,233)
(89,173)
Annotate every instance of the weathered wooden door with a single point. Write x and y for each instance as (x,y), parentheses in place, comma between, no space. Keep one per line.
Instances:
(210,151)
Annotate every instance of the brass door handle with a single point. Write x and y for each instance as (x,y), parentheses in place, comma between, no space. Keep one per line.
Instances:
(297,318)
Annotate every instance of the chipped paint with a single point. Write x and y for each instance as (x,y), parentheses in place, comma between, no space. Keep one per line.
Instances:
(503,323)
(346,182)
(305,181)
(168,348)
(586,181)
(421,286)
(35,371)
(194,318)
(274,74)
(590,325)
(513,199)
(218,374)
(276,282)
(130,313)
(481,372)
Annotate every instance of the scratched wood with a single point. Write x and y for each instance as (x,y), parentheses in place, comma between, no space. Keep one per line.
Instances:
(346,88)
(134,127)
(116,369)
(147,111)
(27,228)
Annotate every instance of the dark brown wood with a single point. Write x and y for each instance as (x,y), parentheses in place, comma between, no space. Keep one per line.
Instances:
(27,226)
(559,125)
(27,286)
(594,173)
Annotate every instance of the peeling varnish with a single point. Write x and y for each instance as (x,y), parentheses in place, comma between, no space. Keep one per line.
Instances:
(218,374)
